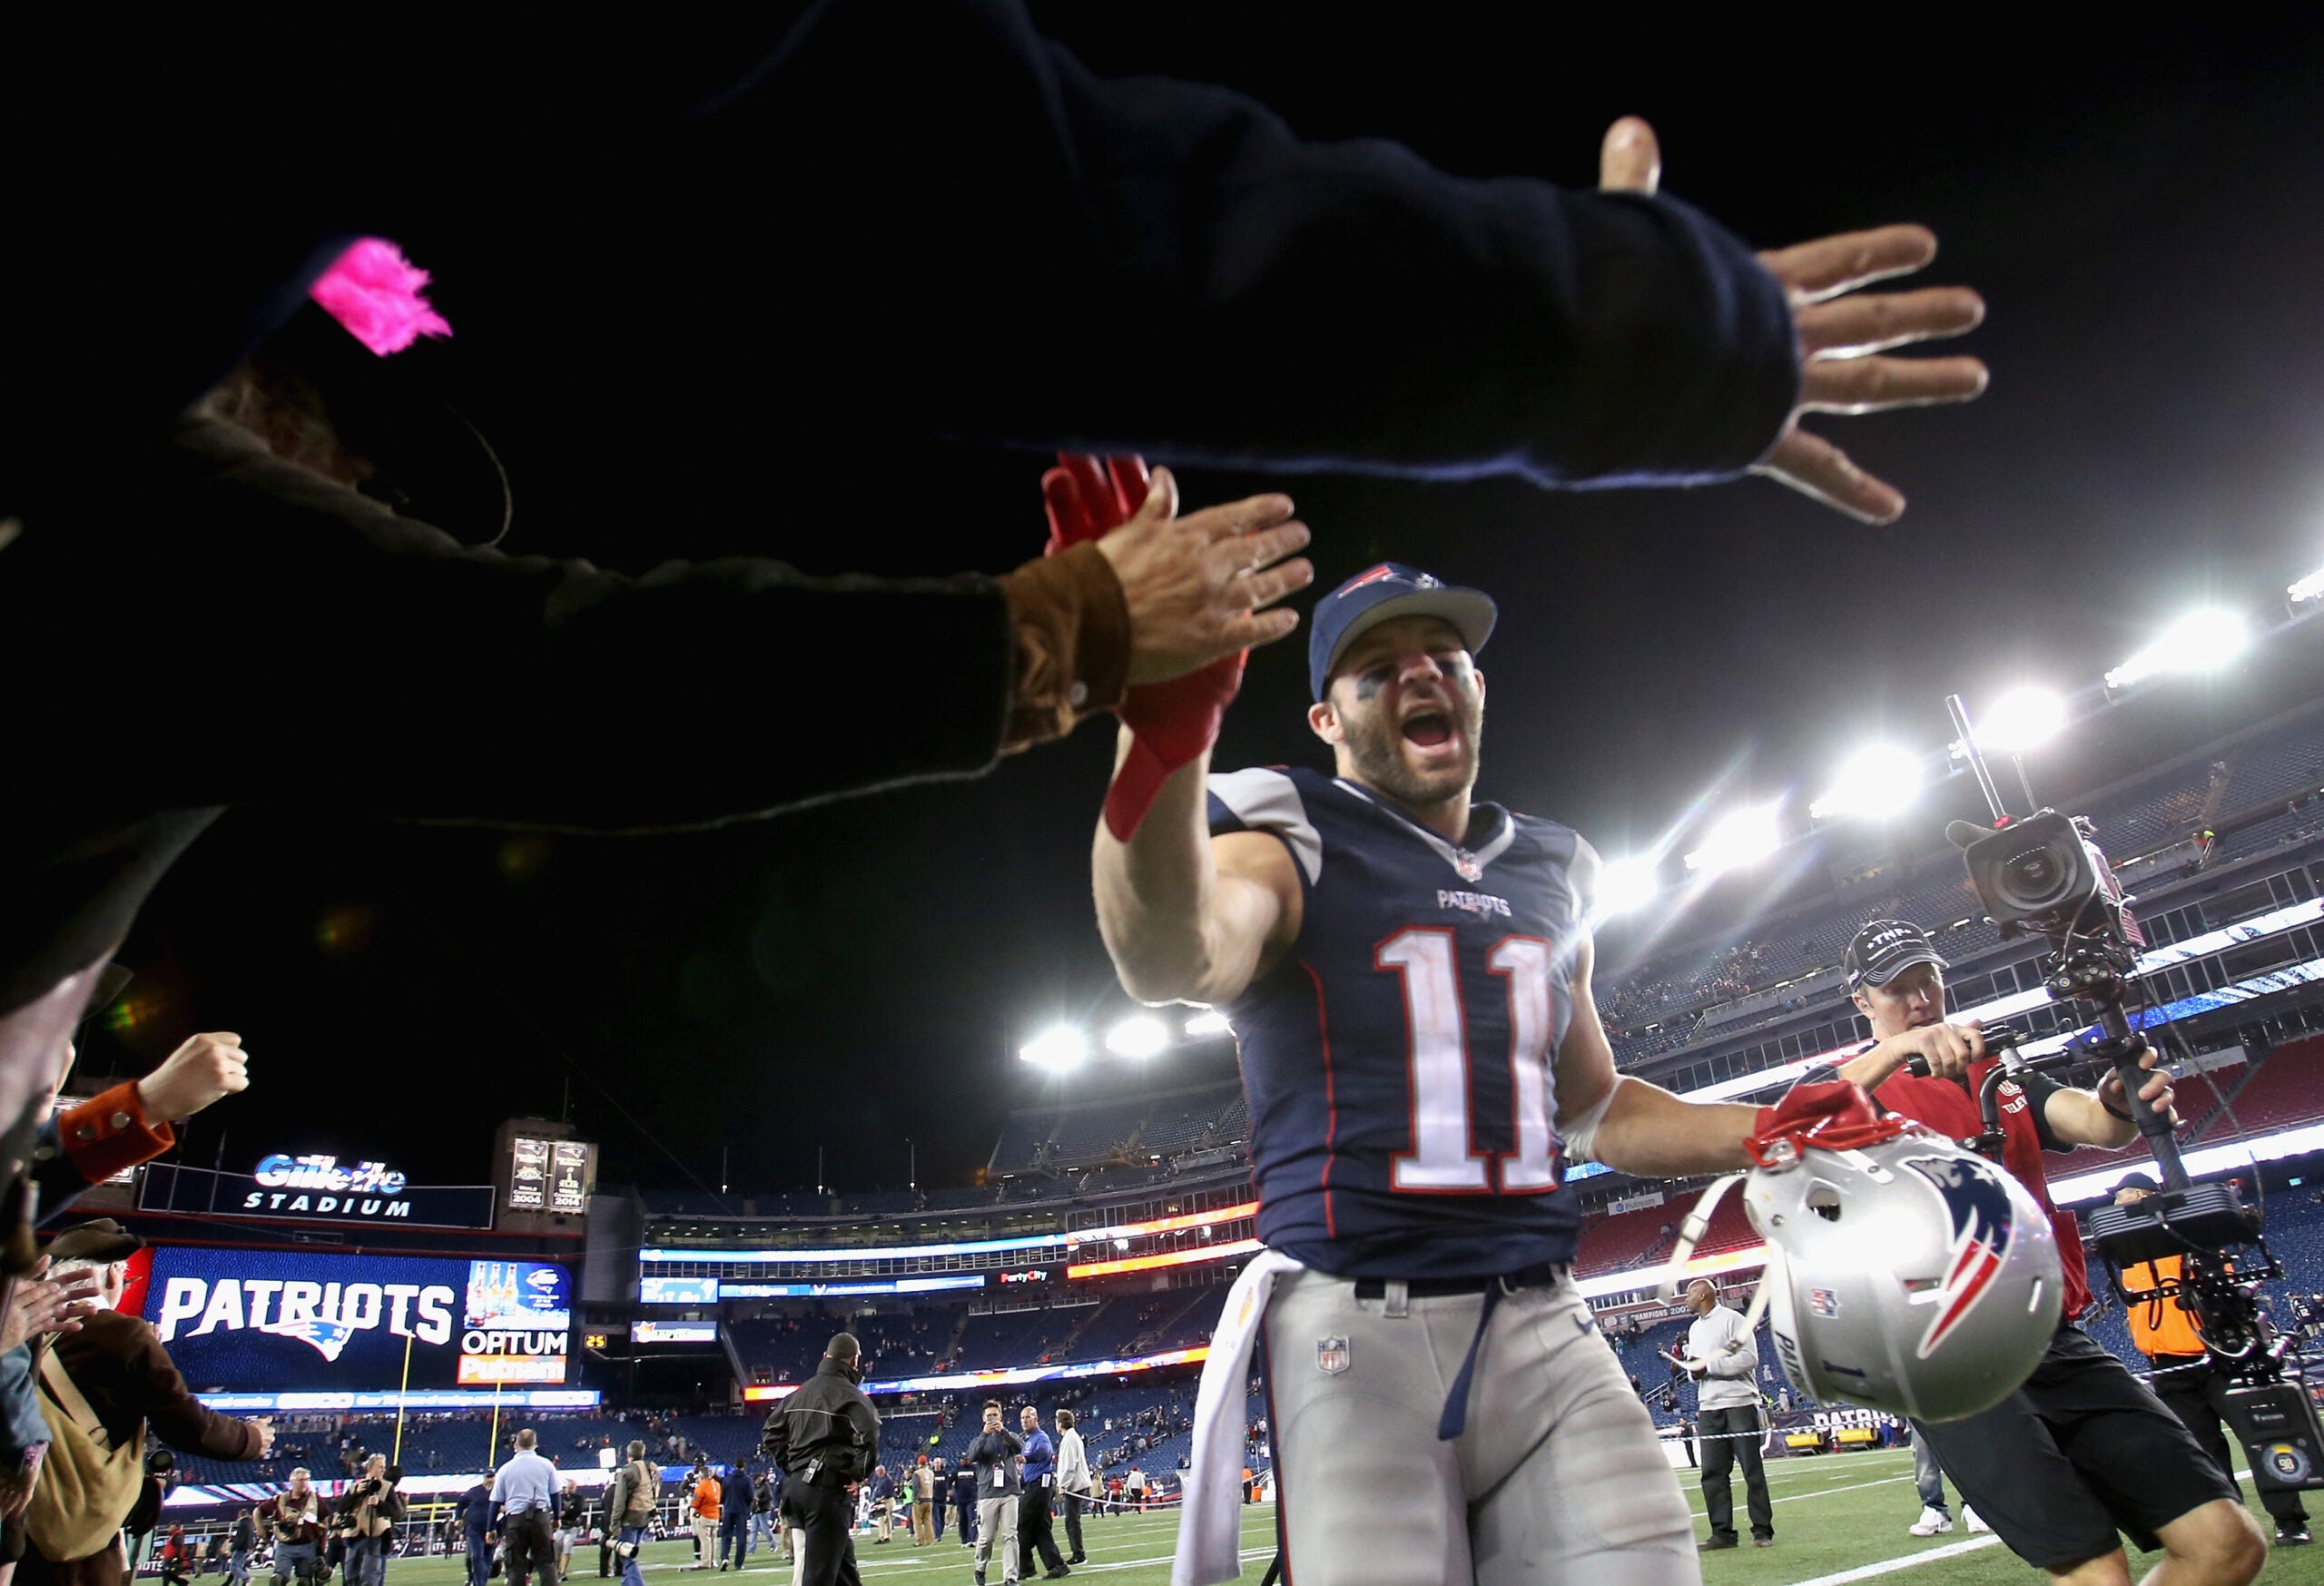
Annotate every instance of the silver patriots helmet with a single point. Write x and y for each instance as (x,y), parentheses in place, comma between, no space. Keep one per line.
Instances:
(1909,1276)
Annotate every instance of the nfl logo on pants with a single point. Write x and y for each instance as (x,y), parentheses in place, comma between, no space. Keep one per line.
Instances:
(1330,1356)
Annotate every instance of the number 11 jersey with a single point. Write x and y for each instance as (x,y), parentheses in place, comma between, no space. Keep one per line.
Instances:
(1399,1062)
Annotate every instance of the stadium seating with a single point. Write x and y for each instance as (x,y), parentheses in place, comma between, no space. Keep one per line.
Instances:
(1013,1338)
(2285,1090)
(2281,762)
(1626,1238)
(780,1351)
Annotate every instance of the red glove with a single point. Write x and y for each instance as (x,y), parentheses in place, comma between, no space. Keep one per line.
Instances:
(1838,1115)
(1169,723)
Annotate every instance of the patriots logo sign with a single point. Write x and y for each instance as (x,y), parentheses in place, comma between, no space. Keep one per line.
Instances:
(326,1333)
(1982,1229)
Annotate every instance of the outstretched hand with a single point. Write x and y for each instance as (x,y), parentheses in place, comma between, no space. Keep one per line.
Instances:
(39,1305)
(1841,336)
(1200,587)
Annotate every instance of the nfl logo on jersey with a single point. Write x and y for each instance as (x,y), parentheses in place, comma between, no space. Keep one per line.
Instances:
(1330,1356)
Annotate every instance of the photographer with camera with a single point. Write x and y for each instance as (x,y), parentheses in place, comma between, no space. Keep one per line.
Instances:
(370,1511)
(2169,1333)
(296,1519)
(629,1509)
(2083,1449)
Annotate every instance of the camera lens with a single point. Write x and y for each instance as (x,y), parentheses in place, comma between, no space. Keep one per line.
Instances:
(2033,873)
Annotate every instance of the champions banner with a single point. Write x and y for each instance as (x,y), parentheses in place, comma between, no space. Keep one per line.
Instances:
(267,1320)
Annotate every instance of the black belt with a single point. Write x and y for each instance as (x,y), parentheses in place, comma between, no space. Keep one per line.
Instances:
(1540,1274)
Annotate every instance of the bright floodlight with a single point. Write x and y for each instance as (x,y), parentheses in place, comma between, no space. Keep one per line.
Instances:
(1139,1036)
(2198,642)
(1625,884)
(1737,840)
(2022,719)
(2309,588)
(1056,1050)
(1212,1022)
(1876,784)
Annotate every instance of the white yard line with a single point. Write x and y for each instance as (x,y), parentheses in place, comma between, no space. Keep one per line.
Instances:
(1802,1497)
(960,1558)
(1890,1566)
(1908,1560)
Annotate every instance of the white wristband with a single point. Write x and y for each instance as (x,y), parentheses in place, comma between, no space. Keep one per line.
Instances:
(1581,1136)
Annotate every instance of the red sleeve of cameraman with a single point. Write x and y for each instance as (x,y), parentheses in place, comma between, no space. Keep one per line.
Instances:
(109,1132)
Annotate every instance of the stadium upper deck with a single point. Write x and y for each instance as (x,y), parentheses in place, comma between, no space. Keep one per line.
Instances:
(1706,1013)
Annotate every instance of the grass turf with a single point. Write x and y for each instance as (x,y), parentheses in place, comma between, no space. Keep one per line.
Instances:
(1833,1513)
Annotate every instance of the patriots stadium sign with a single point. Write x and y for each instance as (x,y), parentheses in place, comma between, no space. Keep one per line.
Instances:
(316,1189)
(263,1320)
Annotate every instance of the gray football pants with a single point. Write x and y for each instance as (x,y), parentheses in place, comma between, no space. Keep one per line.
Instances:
(1556,1478)
(997,1529)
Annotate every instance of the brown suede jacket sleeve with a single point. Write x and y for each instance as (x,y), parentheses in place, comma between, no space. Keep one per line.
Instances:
(122,1371)
(1072,640)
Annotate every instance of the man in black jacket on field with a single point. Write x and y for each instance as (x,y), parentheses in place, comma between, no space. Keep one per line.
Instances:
(824,1437)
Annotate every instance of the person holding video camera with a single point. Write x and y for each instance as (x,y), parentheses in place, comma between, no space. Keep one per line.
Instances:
(2169,1334)
(2084,1451)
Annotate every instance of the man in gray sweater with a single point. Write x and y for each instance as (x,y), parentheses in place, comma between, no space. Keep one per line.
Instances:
(993,1456)
(1723,1358)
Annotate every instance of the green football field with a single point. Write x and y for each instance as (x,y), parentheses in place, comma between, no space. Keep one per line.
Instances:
(1838,1518)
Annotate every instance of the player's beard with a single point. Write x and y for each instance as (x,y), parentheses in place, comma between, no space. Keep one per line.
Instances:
(1376,745)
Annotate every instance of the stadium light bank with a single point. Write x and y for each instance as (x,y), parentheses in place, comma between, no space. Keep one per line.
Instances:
(1063,1048)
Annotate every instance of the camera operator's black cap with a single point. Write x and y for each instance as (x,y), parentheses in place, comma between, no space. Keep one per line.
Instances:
(1885,949)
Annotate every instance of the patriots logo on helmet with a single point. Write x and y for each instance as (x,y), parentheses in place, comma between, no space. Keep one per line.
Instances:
(1983,1227)
(327,1335)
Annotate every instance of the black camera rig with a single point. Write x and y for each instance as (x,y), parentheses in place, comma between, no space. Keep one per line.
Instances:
(2195,1245)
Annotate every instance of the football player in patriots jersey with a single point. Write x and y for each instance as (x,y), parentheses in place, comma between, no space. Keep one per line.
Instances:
(2083,1449)
(1408,975)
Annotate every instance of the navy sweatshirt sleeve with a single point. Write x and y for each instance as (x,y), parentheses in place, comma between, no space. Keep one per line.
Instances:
(996,213)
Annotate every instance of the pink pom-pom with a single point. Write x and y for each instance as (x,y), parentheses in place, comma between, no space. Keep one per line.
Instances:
(374,290)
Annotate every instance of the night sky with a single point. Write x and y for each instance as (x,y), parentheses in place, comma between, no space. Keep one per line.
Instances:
(2141,217)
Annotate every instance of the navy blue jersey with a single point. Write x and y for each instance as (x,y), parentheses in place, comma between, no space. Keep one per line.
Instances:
(1399,1061)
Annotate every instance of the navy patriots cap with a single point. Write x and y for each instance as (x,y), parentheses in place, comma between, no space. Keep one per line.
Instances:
(1380,594)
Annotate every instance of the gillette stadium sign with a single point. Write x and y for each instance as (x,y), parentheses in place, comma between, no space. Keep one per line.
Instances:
(316,1187)
(266,1320)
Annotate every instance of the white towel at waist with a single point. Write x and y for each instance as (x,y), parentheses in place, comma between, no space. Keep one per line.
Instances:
(1210,1520)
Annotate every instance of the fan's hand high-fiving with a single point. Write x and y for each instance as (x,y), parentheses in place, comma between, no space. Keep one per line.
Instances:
(1841,336)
